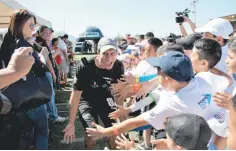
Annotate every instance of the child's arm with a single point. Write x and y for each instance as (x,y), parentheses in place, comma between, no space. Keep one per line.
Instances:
(146,78)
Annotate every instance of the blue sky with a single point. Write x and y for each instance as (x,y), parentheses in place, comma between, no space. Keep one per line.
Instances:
(125,16)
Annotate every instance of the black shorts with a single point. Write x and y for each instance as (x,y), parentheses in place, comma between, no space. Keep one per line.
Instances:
(89,112)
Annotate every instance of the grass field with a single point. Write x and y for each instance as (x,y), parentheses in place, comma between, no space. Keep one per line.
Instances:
(78,57)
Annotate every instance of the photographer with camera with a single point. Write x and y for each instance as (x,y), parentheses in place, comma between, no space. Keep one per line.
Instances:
(183,17)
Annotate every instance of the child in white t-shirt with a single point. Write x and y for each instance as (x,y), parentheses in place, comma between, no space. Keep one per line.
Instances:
(229,100)
(206,54)
(182,94)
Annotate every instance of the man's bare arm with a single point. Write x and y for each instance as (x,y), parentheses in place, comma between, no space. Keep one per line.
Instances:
(74,104)
(183,30)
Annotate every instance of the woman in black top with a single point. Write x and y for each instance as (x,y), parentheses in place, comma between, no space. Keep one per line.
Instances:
(21,27)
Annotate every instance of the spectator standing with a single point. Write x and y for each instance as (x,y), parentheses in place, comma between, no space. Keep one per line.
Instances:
(71,60)
(149,35)
(23,124)
(140,38)
(219,30)
(45,39)
(64,66)
(57,57)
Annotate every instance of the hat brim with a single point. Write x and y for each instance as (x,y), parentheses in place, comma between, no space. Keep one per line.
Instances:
(107,47)
(210,30)
(219,128)
(184,43)
(206,29)
(181,41)
(154,61)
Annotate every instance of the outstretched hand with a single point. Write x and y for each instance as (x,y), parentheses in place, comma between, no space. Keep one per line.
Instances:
(124,144)
(69,135)
(223,100)
(118,113)
(98,131)
(130,79)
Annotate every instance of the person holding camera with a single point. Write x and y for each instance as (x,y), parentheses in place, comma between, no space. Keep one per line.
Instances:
(183,17)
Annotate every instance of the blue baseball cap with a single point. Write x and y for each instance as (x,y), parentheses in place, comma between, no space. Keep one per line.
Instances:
(127,51)
(174,64)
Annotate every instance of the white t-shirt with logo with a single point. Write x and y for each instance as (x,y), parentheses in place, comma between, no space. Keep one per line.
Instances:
(194,98)
(144,68)
(218,83)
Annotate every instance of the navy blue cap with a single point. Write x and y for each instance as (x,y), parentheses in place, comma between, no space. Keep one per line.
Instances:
(174,64)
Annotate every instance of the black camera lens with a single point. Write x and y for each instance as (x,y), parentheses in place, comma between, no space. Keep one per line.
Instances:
(179,19)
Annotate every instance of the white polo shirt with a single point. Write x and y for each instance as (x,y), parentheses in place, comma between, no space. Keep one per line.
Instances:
(218,83)
(194,98)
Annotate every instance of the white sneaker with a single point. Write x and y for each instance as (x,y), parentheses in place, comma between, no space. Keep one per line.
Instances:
(60,120)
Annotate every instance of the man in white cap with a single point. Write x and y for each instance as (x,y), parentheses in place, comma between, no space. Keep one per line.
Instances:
(219,29)
(92,95)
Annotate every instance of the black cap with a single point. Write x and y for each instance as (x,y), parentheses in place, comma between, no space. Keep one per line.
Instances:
(65,36)
(188,42)
(189,131)
(149,34)
(123,46)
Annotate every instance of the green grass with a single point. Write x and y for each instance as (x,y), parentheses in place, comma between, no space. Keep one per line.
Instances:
(56,135)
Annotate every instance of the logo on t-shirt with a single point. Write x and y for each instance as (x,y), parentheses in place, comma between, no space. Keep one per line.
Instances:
(205,101)
(109,80)
(94,85)
(220,117)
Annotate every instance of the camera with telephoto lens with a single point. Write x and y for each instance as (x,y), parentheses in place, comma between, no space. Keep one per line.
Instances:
(180,19)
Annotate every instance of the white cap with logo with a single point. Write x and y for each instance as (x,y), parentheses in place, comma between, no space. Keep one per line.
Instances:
(218,27)
(106,44)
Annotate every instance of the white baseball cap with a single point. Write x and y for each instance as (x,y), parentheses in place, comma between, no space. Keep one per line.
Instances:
(106,43)
(219,123)
(219,27)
